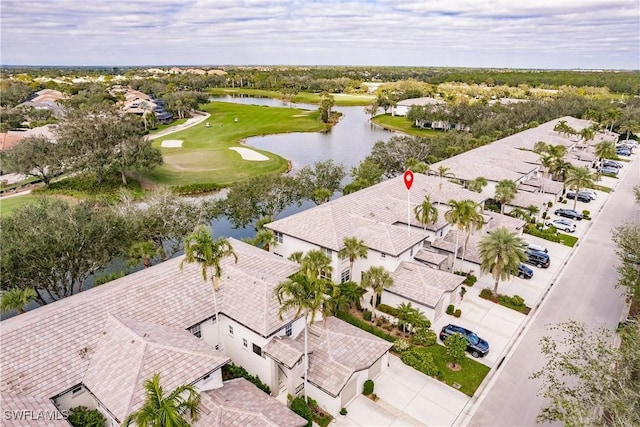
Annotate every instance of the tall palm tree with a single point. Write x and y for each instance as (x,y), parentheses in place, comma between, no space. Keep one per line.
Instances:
(353,249)
(546,161)
(476,185)
(405,310)
(579,178)
(378,279)
(540,147)
(560,168)
(605,150)
(304,293)
(465,216)
(629,127)
(17,299)
(172,410)
(426,212)
(587,134)
(142,251)
(200,247)
(501,252)
(316,264)
(564,129)
(336,303)
(533,211)
(505,192)
(443,172)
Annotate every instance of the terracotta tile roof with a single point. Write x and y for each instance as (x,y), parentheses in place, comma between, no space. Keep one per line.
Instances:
(422,284)
(130,352)
(31,410)
(377,215)
(44,351)
(239,404)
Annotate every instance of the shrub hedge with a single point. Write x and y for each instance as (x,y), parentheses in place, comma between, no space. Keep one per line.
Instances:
(300,407)
(367,389)
(365,326)
(425,337)
(388,309)
(204,187)
(421,360)
(232,371)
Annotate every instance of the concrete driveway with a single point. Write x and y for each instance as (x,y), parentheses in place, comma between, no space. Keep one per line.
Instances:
(406,398)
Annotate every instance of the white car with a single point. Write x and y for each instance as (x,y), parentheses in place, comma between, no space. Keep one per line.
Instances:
(563,224)
(537,248)
(591,194)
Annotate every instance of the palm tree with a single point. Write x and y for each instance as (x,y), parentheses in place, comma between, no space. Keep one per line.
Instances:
(316,264)
(557,151)
(587,134)
(171,410)
(629,127)
(378,279)
(580,178)
(605,150)
(404,314)
(533,211)
(202,248)
(353,249)
(501,252)
(540,147)
(416,165)
(463,215)
(476,185)
(296,257)
(505,192)
(352,292)
(335,304)
(559,168)
(520,214)
(426,212)
(546,161)
(17,299)
(142,251)
(443,172)
(564,129)
(306,294)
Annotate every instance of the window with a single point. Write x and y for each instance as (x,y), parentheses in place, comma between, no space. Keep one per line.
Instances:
(345,276)
(279,237)
(77,390)
(257,350)
(328,252)
(288,330)
(230,330)
(195,330)
(325,274)
(245,344)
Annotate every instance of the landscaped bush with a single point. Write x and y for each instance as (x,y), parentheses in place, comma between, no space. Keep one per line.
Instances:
(101,280)
(367,389)
(205,187)
(486,293)
(365,326)
(425,337)
(469,280)
(450,309)
(232,371)
(367,315)
(457,313)
(300,407)
(85,186)
(343,411)
(421,360)
(515,302)
(401,345)
(82,416)
(388,309)
(548,234)
(586,214)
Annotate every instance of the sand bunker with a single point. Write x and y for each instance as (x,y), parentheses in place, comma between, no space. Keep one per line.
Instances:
(171,143)
(248,154)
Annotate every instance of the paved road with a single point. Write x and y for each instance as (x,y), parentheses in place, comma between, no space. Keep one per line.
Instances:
(585,291)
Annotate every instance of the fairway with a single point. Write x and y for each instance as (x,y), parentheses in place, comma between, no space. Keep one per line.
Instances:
(342,99)
(205,157)
(10,204)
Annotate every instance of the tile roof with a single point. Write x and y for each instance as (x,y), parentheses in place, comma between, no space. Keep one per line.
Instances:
(374,214)
(336,351)
(448,244)
(430,257)
(422,284)
(32,411)
(545,184)
(523,199)
(285,350)
(130,352)
(240,404)
(44,350)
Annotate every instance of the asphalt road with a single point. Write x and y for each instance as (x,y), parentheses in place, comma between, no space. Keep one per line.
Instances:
(584,291)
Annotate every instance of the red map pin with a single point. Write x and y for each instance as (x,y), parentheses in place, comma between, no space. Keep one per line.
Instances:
(408,179)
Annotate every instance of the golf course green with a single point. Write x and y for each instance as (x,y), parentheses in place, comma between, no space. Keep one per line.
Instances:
(205,155)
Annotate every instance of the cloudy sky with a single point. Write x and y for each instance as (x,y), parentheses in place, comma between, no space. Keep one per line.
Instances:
(463,33)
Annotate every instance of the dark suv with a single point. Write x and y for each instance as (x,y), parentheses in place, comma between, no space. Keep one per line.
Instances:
(539,259)
(568,213)
(475,345)
(581,197)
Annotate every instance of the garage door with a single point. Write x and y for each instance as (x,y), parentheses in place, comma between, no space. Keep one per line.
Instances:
(349,392)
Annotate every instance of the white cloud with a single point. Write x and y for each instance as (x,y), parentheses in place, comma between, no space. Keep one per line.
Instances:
(500,33)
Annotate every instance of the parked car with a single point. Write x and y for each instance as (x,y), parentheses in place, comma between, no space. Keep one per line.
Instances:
(588,193)
(539,259)
(525,272)
(537,248)
(608,169)
(569,213)
(563,224)
(612,164)
(581,196)
(475,345)
(623,152)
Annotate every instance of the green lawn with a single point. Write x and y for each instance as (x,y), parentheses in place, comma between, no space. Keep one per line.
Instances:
(342,99)
(401,124)
(567,239)
(469,377)
(10,204)
(205,156)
